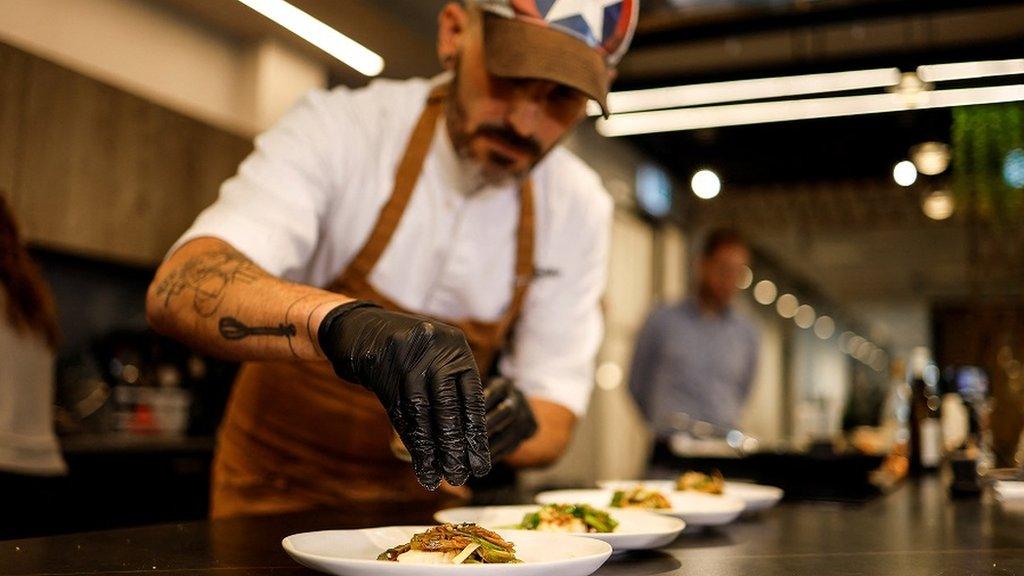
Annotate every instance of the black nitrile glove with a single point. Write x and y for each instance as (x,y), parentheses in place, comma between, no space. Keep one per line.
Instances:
(424,374)
(509,417)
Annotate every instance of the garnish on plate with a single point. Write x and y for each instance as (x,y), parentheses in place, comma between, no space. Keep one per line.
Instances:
(569,518)
(640,497)
(712,483)
(453,544)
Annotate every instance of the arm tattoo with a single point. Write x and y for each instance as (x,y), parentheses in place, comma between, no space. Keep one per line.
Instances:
(233,329)
(207,277)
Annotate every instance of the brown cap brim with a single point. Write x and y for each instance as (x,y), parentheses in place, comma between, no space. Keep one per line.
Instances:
(518,49)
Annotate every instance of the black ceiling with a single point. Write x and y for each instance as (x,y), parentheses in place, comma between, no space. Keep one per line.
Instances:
(802,151)
(808,150)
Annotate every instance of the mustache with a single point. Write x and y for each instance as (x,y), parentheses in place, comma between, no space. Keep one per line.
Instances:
(511,138)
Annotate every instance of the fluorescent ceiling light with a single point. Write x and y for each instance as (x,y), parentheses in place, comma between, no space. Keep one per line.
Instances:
(786,86)
(781,111)
(738,90)
(321,35)
(968,70)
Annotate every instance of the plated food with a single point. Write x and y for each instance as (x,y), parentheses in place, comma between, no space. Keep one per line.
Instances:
(694,508)
(634,530)
(464,543)
(355,553)
(573,518)
(640,497)
(712,483)
(756,497)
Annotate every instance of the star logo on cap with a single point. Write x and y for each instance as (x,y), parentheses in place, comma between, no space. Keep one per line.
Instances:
(590,11)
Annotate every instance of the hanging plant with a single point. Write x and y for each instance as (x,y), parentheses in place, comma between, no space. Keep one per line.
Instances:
(984,137)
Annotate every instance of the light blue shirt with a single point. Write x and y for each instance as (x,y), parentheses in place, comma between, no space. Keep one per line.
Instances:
(693,362)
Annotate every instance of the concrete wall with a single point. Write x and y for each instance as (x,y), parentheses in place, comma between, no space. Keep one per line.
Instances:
(903,325)
(763,415)
(821,383)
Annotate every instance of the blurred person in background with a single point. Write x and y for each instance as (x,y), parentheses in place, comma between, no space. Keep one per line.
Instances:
(698,357)
(30,455)
(372,255)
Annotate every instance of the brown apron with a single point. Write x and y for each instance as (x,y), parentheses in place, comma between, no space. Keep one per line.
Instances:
(296,437)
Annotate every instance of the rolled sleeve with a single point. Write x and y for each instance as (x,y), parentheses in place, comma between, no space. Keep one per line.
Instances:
(557,337)
(272,208)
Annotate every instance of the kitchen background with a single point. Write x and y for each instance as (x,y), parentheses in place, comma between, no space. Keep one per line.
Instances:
(120,118)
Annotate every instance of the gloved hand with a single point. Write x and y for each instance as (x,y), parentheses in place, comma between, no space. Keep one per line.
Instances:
(425,376)
(509,417)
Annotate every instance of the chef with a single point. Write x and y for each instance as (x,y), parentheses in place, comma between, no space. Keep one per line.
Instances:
(415,257)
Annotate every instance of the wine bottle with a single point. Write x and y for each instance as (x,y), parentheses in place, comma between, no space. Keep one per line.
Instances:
(925,417)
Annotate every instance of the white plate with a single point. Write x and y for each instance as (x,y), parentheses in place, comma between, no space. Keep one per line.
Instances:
(637,529)
(1010,495)
(664,486)
(1009,489)
(756,497)
(354,553)
(693,508)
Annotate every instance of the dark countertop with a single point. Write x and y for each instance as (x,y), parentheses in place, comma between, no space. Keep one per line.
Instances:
(916,530)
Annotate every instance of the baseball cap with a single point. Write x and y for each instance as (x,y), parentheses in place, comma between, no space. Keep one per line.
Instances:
(572,42)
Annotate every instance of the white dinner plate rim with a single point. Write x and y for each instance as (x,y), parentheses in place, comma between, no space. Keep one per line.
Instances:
(290,548)
(734,507)
(760,494)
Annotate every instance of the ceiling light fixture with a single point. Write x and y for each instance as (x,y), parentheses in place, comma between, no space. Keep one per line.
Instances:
(904,173)
(352,53)
(938,205)
(824,327)
(805,316)
(787,305)
(930,158)
(739,90)
(746,278)
(625,101)
(705,184)
(806,109)
(1013,168)
(765,292)
(968,70)
(853,343)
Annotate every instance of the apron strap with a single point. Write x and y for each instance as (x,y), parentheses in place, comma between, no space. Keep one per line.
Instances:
(524,260)
(406,176)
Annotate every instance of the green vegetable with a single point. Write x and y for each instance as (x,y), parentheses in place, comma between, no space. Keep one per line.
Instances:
(491,548)
(595,520)
(530,521)
(617,498)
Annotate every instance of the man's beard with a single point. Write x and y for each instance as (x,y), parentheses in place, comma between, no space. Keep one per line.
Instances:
(495,170)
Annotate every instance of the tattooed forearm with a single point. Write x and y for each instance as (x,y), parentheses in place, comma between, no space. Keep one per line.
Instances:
(206,277)
(232,328)
(210,296)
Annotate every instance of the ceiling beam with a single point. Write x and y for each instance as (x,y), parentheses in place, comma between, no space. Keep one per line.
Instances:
(893,37)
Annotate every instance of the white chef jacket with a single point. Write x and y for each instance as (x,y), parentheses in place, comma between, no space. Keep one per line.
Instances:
(305,201)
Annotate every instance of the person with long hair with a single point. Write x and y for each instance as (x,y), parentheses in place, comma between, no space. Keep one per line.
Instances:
(28,340)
